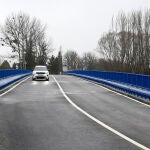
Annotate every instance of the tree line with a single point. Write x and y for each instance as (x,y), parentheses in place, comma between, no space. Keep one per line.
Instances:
(54,64)
(73,61)
(27,38)
(126,46)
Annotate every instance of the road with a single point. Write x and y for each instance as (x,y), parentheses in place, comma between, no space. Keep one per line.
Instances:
(36,116)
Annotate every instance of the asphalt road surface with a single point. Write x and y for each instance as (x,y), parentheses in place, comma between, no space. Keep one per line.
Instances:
(36,116)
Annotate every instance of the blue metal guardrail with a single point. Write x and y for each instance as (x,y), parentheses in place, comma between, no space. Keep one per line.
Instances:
(8,77)
(12,72)
(126,82)
(5,82)
(138,80)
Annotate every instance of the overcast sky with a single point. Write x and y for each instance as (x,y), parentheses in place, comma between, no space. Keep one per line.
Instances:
(73,24)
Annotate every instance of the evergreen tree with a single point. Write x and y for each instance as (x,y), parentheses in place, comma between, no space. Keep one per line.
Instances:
(60,70)
(53,65)
(5,65)
(30,60)
(14,66)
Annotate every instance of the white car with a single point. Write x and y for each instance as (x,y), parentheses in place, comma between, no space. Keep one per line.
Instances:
(40,73)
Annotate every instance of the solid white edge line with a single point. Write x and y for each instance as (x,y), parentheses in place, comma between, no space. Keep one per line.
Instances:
(98,121)
(15,86)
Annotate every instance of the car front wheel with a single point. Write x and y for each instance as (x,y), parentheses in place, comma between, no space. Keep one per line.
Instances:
(33,79)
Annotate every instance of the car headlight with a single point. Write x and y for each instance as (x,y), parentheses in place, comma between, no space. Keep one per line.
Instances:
(33,73)
(47,73)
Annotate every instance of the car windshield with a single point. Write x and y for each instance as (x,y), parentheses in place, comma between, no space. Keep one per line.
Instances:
(40,69)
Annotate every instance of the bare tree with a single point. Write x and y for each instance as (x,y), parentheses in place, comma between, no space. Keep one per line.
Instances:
(72,60)
(108,47)
(127,46)
(89,61)
(147,41)
(26,37)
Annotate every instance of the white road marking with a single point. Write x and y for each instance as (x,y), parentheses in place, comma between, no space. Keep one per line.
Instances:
(100,122)
(15,86)
(79,93)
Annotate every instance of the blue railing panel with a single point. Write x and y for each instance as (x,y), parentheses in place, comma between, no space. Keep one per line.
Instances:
(138,80)
(134,84)
(12,72)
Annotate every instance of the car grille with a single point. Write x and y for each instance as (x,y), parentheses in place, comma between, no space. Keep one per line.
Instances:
(40,72)
(40,77)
